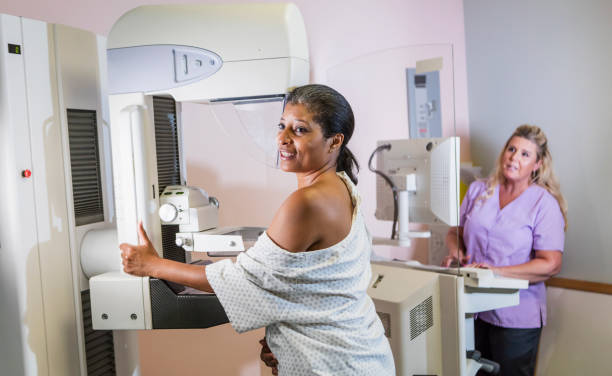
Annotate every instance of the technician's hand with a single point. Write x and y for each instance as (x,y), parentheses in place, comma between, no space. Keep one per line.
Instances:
(267,357)
(139,259)
(483,265)
(454,261)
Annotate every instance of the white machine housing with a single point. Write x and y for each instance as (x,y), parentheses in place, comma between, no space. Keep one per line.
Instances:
(209,52)
(428,313)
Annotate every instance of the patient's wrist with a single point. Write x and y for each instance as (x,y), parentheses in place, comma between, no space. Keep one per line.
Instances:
(155,267)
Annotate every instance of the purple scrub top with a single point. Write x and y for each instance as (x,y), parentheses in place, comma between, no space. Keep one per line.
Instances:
(532,221)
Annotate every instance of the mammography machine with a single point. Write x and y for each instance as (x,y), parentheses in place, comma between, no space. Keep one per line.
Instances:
(58,239)
(233,54)
(186,53)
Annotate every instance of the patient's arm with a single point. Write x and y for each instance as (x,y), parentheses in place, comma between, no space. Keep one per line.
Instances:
(143,260)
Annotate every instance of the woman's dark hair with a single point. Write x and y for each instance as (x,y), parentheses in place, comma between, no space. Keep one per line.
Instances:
(334,114)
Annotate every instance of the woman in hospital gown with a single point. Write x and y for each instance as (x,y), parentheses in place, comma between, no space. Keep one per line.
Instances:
(305,279)
(514,224)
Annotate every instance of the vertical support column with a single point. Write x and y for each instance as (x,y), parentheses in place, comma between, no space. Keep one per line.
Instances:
(136,198)
(453,325)
(134,167)
(403,218)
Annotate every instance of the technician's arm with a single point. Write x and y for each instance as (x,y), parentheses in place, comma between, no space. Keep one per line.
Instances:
(545,265)
(456,247)
(143,260)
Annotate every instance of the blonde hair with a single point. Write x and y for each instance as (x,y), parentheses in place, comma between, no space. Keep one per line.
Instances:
(543,176)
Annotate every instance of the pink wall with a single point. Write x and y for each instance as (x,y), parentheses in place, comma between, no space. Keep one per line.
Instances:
(338,31)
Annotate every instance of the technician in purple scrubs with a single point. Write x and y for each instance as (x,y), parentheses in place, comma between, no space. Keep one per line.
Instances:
(514,224)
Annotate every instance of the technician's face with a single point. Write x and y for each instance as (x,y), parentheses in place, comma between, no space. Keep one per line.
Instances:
(520,159)
(300,140)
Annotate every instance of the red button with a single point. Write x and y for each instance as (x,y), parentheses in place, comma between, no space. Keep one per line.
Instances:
(26,173)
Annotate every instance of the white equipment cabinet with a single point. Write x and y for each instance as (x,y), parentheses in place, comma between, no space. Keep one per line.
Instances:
(428,314)
(50,75)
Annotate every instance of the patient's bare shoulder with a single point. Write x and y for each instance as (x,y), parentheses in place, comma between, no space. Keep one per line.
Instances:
(294,225)
(311,218)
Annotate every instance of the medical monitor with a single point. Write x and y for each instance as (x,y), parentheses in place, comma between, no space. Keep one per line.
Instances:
(429,169)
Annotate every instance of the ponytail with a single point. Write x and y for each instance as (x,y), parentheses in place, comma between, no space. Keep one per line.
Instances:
(347,162)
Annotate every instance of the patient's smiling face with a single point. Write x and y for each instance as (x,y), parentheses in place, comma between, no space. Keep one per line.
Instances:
(302,147)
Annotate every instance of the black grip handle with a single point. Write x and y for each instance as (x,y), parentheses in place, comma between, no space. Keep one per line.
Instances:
(489,366)
(473,354)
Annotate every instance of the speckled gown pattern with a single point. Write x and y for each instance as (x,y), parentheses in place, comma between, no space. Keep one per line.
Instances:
(318,318)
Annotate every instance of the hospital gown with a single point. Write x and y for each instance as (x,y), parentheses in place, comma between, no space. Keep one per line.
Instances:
(318,318)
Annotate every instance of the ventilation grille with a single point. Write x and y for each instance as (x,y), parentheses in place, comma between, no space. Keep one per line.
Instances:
(99,349)
(421,318)
(170,250)
(166,142)
(85,166)
(168,165)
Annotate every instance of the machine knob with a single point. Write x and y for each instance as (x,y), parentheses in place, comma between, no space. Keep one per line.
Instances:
(168,213)
(182,242)
(213,201)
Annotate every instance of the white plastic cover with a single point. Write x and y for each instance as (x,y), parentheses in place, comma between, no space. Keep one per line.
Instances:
(100,252)
(444,189)
(254,126)
(158,67)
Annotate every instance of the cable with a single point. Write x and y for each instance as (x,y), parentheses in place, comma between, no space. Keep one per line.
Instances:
(389,181)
